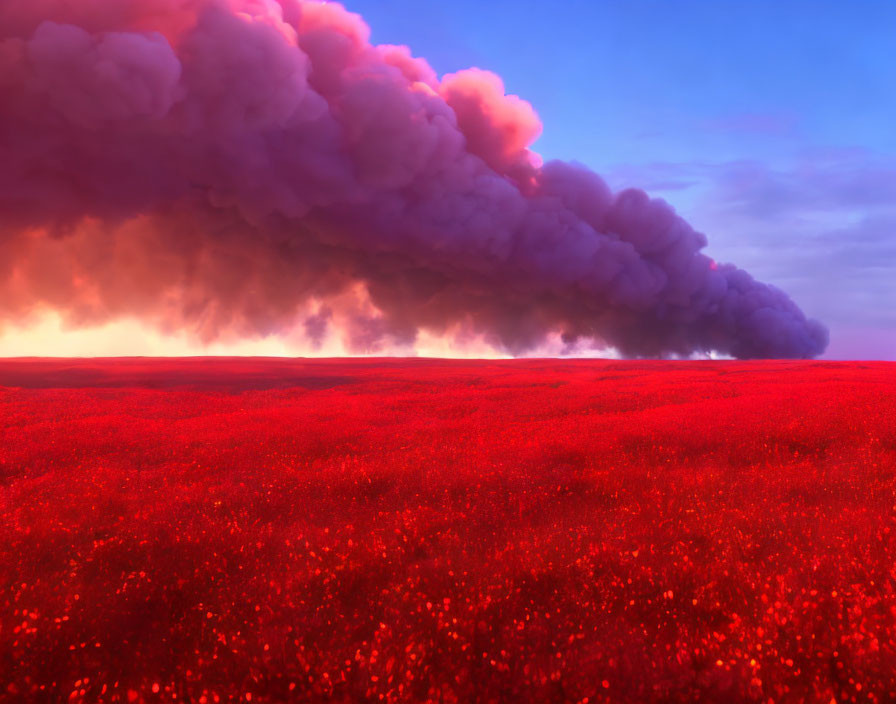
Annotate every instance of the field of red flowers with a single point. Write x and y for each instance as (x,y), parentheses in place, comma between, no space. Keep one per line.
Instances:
(221,530)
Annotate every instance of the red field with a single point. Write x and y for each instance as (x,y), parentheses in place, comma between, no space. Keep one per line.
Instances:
(409,530)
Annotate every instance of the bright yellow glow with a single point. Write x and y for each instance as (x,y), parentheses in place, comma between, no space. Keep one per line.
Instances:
(45,335)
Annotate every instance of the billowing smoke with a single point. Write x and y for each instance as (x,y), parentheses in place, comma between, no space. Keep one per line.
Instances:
(248,167)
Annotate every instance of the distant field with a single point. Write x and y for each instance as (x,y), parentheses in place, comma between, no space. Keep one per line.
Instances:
(271,530)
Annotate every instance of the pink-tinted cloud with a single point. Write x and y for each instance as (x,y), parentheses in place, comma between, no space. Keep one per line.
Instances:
(252,166)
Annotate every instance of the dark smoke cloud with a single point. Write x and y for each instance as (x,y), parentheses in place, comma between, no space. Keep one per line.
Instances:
(251,167)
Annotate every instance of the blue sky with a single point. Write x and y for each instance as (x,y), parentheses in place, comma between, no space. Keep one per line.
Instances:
(768,125)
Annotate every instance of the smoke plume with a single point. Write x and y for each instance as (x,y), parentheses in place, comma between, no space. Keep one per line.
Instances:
(247,167)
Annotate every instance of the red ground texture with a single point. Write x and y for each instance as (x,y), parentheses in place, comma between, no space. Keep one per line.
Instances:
(271,530)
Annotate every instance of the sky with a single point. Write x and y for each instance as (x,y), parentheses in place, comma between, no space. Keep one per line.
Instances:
(767,126)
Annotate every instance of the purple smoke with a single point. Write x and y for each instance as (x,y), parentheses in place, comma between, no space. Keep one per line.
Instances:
(250,167)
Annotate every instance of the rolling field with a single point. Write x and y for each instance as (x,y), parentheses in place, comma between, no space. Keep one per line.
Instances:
(270,530)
